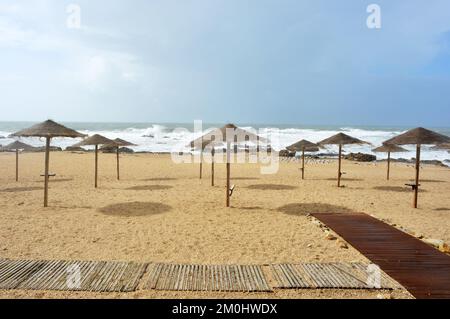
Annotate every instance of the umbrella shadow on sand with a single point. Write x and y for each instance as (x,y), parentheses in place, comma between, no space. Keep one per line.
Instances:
(398,189)
(159,179)
(149,187)
(135,209)
(302,209)
(20,189)
(274,187)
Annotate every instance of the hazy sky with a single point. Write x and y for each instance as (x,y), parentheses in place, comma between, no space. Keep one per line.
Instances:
(254,61)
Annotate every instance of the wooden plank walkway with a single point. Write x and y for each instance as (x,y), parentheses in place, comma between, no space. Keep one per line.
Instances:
(328,275)
(99,276)
(207,277)
(421,269)
(102,276)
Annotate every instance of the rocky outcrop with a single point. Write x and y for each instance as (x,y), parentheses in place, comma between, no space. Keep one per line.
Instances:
(360,157)
(286,153)
(113,149)
(75,149)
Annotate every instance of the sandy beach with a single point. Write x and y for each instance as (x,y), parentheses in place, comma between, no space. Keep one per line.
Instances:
(162,212)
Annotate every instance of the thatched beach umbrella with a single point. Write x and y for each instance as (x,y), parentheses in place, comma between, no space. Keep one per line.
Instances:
(386,148)
(418,136)
(303,146)
(48,129)
(118,142)
(229,134)
(341,139)
(441,147)
(16,146)
(95,140)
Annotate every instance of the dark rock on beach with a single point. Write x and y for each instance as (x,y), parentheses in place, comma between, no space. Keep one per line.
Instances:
(360,157)
(42,149)
(286,153)
(75,149)
(113,149)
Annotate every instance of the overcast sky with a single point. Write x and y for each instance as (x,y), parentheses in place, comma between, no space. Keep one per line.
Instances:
(254,61)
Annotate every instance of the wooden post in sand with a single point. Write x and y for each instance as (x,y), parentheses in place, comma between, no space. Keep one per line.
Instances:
(47,164)
(416,189)
(303,163)
(340,165)
(118,165)
(17,165)
(212,166)
(201,163)
(388,164)
(96,165)
(228,173)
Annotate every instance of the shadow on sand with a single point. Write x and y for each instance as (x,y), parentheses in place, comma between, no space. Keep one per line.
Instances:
(159,179)
(20,189)
(301,209)
(398,189)
(133,209)
(271,187)
(149,188)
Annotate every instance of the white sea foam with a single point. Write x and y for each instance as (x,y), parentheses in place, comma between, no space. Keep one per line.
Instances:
(166,138)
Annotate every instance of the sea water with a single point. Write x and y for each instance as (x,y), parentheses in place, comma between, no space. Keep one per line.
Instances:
(168,137)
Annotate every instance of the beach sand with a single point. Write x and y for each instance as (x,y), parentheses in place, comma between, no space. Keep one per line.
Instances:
(161,212)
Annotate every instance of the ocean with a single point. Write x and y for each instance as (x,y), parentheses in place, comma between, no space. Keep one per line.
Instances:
(167,137)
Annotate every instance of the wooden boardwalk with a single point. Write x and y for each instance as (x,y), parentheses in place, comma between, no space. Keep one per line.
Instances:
(207,277)
(100,276)
(328,275)
(111,276)
(421,269)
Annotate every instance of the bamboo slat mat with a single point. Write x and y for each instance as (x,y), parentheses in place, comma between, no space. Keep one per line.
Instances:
(70,275)
(207,277)
(328,275)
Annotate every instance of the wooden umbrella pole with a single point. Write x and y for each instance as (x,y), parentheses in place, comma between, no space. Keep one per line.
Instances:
(118,165)
(212,167)
(228,174)
(17,165)
(96,165)
(47,164)
(303,164)
(416,189)
(201,164)
(339,165)
(388,164)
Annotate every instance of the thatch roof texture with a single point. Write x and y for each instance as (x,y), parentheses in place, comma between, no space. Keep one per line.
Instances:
(419,136)
(17,145)
(303,145)
(220,135)
(121,142)
(443,146)
(389,148)
(96,139)
(49,129)
(341,139)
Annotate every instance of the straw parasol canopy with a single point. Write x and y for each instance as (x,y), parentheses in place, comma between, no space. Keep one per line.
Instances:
(389,148)
(16,146)
(229,134)
(48,129)
(303,146)
(118,142)
(95,140)
(443,146)
(418,136)
(341,139)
